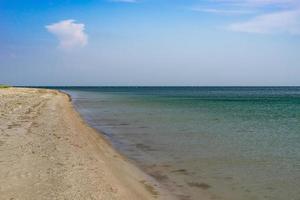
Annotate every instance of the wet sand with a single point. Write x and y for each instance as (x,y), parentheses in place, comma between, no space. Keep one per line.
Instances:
(48,152)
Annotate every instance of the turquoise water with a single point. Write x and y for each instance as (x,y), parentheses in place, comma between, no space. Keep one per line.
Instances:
(233,143)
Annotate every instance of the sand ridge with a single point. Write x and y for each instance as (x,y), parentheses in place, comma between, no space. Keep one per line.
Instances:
(48,152)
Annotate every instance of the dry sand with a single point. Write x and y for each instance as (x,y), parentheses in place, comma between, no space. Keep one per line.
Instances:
(48,152)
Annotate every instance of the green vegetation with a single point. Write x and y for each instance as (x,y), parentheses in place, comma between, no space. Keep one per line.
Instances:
(4,86)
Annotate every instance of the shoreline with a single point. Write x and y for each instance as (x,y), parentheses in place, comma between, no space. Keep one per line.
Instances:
(152,185)
(175,188)
(48,151)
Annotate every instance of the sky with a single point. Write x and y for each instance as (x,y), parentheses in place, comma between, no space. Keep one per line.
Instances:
(150,42)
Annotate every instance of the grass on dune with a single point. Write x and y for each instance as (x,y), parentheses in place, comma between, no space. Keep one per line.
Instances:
(4,86)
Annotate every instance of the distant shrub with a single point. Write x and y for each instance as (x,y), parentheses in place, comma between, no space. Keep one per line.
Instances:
(4,86)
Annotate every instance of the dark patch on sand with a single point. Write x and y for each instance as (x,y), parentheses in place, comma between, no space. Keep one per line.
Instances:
(203,186)
(144,147)
(13,125)
(143,127)
(158,176)
(270,188)
(228,178)
(183,197)
(149,188)
(124,124)
(181,171)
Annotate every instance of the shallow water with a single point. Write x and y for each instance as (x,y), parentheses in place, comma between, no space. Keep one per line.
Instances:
(234,143)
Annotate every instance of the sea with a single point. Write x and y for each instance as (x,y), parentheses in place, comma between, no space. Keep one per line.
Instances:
(227,143)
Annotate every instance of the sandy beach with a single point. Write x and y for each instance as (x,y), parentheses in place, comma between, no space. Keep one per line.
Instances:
(48,152)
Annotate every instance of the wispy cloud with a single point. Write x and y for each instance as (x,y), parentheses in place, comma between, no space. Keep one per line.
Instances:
(69,33)
(244,6)
(258,3)
(277,22)
(124,1)
(265,16)
(223,11)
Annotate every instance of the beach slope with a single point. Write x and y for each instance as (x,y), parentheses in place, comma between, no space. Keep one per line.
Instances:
(48,152)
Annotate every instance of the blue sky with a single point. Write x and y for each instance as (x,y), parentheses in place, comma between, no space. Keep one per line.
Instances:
(150,42)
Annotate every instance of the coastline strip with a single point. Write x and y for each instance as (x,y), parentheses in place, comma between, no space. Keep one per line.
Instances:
(47,151)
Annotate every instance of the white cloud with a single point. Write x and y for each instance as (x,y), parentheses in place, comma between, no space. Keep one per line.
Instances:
(278,22)
(69,33)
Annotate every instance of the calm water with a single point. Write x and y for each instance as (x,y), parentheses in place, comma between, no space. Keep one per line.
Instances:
(228,143)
